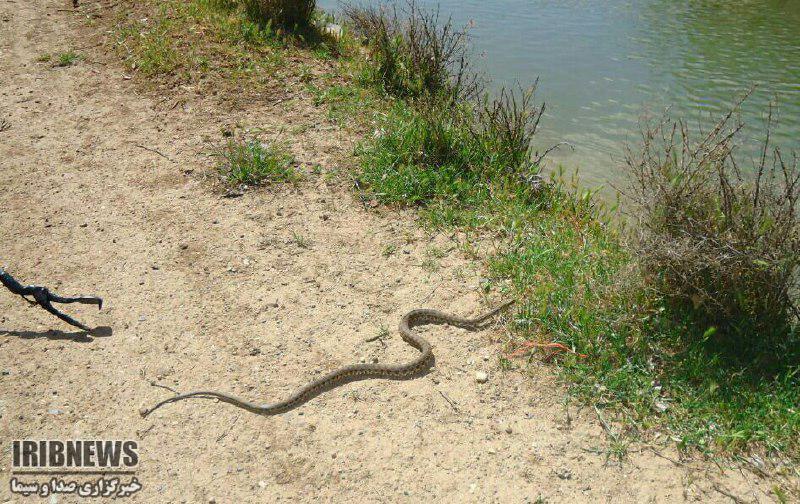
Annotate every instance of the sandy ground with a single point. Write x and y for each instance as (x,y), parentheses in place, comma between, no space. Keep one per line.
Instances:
(210,292)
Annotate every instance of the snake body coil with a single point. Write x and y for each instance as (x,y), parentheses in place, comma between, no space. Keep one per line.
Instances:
(353,372)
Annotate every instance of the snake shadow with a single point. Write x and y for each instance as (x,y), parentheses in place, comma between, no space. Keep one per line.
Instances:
(55,334)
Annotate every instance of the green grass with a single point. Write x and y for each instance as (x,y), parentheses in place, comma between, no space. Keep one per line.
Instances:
(346,103)
(251,162)
(188,40)
(66,59)
(389,250)
(301,241)
(202,40)
(433,157)
(578,289)
(415,159)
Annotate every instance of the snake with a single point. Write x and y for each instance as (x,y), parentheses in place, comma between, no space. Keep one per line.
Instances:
(412,368)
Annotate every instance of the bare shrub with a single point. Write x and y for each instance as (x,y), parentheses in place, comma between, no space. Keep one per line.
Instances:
(365,21)
(722,242)
(509,122)
(282,13)
(417,54)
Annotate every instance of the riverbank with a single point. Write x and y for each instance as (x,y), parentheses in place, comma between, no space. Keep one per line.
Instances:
(553,244)
(207,280)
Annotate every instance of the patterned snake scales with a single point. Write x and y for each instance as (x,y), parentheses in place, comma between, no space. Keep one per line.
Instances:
(353,372)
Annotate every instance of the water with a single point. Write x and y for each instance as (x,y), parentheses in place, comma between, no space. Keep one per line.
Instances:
(604,63)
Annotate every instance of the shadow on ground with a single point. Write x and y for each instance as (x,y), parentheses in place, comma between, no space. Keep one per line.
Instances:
(53,334)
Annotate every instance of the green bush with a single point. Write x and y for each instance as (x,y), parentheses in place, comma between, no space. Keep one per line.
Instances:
(289,14)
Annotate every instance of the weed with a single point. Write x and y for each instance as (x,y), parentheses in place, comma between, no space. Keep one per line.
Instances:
(383,332)
(68,58)
(436,253)
(300,240)
(389,250)
(505,364)
(250,162)
(430,264)
(415,53)
(508,124)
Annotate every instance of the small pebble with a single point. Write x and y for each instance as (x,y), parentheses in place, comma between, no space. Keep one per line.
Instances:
(564,473)
(509,430)
(481,377)
(262,484)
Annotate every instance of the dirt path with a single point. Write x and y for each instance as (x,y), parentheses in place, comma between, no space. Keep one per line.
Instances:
(255,296)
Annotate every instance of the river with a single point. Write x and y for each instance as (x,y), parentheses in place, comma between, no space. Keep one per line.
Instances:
(603,64)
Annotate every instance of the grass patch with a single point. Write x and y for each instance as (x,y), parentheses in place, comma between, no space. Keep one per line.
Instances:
(419,157)
(189,40)
(66,59)
(347,104)
(218,41)
(301,241)
(253,163)
(460,155)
